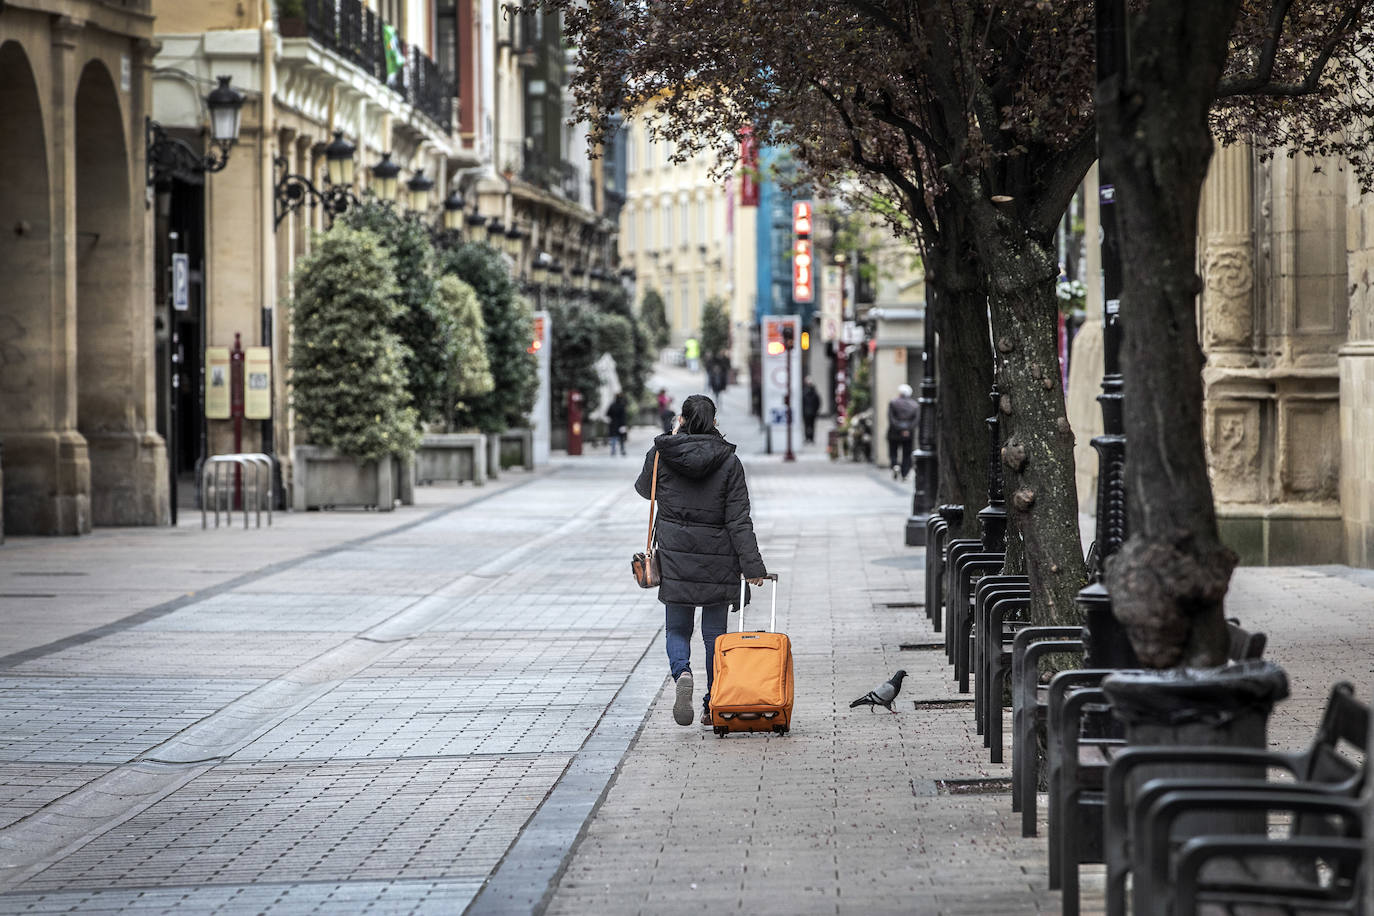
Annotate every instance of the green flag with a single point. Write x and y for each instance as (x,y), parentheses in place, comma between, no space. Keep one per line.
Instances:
(395,57)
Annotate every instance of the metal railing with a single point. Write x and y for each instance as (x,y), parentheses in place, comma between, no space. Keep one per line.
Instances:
(217,477)
(355,33)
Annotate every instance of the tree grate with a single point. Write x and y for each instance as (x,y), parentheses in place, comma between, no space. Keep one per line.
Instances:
(991,785)
(900,605)
(920,646)
(944,704)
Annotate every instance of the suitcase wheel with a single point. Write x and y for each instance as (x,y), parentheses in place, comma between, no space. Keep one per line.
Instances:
(721,731)
(781,730)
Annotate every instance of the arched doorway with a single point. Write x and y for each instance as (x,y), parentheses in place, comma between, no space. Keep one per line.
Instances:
(113,346)
(44,491)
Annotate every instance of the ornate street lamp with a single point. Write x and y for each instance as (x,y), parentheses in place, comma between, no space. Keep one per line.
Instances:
(170,156)
(1105,642)
(384,177)
(476,225)
(419,187)
(925,464)
(338,160)
(453,212)
(292,191)
(514,236)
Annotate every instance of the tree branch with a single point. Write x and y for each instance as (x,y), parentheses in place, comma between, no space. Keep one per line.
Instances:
(1259,84)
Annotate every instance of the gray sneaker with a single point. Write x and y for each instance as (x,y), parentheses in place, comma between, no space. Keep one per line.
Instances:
(682,705)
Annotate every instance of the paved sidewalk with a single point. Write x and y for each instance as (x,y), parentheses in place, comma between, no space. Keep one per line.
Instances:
(464,707)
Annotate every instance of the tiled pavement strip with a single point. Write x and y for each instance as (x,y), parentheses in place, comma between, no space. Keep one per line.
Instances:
(387,726)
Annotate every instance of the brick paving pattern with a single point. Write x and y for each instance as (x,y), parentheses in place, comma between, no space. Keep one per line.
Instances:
(464,706)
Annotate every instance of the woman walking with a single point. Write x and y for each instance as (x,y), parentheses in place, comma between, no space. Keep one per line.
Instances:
(705,540)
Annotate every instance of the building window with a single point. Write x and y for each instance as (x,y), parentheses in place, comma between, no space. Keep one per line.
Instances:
(631,149)
(668,224)
(629,230)
(668,303)
(686,306)
(702,234)
(686,222)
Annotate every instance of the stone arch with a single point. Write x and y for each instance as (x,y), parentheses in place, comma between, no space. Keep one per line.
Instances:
(110,364)
(27,346)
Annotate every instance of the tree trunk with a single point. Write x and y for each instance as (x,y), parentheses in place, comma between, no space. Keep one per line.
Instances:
(965,378)
(1037,455)
(1169,579)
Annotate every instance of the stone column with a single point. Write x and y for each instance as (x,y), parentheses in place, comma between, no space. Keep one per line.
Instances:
(47,464)
(1085,359)
(1356,364)
(1228,261)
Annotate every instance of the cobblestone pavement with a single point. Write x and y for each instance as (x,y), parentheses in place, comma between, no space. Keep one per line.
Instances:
(463,707)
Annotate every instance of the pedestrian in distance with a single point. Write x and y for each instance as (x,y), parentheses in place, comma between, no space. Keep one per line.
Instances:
(665,410)
(717,371)
(811,407)
(691,351)
(705,538)
(617,427)
(902,413)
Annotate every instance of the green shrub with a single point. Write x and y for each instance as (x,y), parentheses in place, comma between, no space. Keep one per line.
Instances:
(509,333)
(577,333)
(348,376)
(715,327)
(469,373)
(654,314)
(417,322)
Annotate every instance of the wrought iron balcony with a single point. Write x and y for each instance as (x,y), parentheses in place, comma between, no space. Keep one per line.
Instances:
(355,33)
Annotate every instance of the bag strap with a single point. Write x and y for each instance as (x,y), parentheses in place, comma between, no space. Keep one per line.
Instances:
(653,496)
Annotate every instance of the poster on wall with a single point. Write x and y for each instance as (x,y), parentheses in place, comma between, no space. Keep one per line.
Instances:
(217,383)
(257,383)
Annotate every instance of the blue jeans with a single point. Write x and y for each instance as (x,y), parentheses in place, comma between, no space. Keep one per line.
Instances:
(678,624)
(617,441)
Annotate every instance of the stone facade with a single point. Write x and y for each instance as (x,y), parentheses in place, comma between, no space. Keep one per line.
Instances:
(1356,366)
(1290,359)
(76,323)
(1271,243)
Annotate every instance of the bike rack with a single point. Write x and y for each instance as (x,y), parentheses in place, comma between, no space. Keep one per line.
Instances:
(260,464)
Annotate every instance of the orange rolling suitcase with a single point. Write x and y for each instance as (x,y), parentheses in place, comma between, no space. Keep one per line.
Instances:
(752,689)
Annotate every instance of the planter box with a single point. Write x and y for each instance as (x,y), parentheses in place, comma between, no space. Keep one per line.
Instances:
(452,456)
(291,27)
(516,449)
(322,478)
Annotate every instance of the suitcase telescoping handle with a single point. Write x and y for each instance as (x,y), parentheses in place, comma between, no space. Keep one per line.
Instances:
(772,617)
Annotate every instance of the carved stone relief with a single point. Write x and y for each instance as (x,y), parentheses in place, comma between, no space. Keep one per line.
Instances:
(1229,277)
(1233,447)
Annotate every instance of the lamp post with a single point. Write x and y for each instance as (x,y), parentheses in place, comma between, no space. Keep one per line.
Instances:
(1106,644)
(789,334)
(170,156)
(384,176)
(419,187)
(926,465)
(293,191)
(476,225)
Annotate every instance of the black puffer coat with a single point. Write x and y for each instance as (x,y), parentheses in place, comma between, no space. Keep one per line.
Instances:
(705,535)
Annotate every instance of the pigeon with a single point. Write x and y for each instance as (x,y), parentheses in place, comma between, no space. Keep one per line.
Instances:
(883,694)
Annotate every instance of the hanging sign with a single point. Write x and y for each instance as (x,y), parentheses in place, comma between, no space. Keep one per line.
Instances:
(217,383)
(803,280)
(257,383)
(832,299)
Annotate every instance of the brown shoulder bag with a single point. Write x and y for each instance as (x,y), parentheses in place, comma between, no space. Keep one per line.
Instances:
(645,565)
